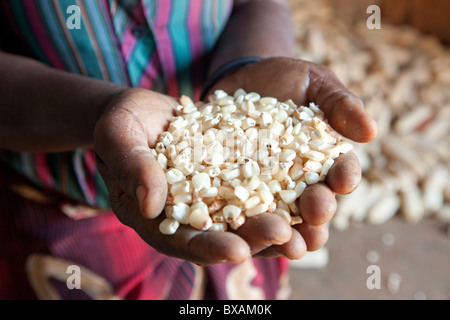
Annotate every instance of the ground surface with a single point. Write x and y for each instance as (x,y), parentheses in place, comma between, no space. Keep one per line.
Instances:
(413,260)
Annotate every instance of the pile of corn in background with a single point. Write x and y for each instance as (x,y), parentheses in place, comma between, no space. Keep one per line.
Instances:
(403,77)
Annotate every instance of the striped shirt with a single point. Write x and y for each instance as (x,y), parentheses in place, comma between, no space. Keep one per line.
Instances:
(161,45)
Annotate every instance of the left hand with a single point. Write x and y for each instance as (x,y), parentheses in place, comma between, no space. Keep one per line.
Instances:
(304,82)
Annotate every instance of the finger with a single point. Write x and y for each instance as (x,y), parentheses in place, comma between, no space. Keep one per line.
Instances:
(315,237)
(294,249)
(345,174)
(344,111)
(126,154)
(317,204)
(200,247)
(264,230)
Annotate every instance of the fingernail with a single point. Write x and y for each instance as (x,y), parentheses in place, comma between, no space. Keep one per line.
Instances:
(140,194)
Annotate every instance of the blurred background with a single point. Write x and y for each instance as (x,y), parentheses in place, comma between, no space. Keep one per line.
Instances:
(398,220)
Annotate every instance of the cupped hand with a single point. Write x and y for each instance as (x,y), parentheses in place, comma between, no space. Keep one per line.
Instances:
(304,82)
(137,185)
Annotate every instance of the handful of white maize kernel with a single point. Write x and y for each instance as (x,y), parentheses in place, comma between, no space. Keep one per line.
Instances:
(238,156)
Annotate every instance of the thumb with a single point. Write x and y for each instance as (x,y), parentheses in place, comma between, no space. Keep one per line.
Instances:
(128,160)
(144,177)
(345,112)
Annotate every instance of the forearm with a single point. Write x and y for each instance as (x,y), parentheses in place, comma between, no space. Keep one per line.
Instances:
(47,110)
(256,28)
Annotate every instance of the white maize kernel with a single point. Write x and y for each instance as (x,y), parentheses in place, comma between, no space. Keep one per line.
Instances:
(296,171)
(201,181)
(301,138)
(288,196)
(318,134)
(187,168)
(209,192)
(252,96)
(299,188)
(162,160)
(174,175)
(287,138)
(216,182)
(268,101)
(265,196)
(272,207)
(184,198)
(282,205)
(307,110)
(230,174)
(216,206)
(250,169)
(294,208)
(280,174)
(226,192)
(166,138)
(284,214)
(332,152)
(215,159)
(311,177)
(168,226)
(318,144)
(200,205)
(218,226)
(180,187)
(276,128)
(346,147)
(231,212)
(241,193)
(181,212)
(199,220)
(315,155)
(251,202)
(248,122)
(274,186)
(287,155)
(235,182)
(313,166)
(237,223)
(251,183)
(265,119)
(251,134)
(258,209)
(160,147)
(326,167)
(304,148)
(263,187)
(290,184)
(281,116)
(212,171)
(296,220)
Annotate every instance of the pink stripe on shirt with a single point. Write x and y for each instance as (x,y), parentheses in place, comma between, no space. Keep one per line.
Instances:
(165,46)
(42,170)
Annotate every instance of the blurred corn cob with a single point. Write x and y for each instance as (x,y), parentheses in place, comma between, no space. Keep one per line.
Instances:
(403,77)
